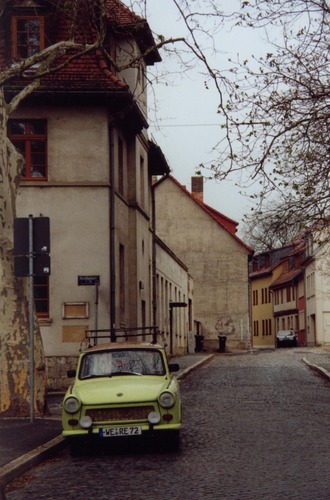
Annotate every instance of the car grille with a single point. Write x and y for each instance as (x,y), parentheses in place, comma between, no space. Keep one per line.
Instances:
(124,413)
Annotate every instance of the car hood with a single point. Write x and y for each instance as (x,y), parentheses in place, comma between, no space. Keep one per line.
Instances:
(123,389)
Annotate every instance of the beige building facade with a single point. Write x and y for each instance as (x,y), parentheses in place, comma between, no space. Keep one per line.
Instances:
(79,200)
(317,289)
(217,259)
(174,298)
(88,167)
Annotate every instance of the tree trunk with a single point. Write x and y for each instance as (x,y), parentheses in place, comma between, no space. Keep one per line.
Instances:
(14,313)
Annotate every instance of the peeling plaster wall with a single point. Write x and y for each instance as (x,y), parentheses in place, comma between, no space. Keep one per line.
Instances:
(217,262)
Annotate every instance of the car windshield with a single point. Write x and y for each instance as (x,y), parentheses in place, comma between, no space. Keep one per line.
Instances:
(122,362)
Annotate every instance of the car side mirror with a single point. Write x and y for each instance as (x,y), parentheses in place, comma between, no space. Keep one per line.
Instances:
(71,373)
(174,367)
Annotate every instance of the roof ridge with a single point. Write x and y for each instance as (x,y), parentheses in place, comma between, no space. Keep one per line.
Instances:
(207,209)
(220,213)
(124,10)
(107,72)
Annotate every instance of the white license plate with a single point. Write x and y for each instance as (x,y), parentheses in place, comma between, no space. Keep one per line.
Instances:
(132,430)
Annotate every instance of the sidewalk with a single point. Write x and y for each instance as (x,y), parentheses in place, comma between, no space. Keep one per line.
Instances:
(318,359)
(24,444)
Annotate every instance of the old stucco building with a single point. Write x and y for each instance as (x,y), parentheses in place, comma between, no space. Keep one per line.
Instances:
(89,167)
(277,294)
(290,289)
(317,287)
(206,241)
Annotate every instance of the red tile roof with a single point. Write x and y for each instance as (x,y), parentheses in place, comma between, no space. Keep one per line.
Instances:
(121,13)
(225,221)
(90,71)
(87,72)
(277,257)
(286,278)
(264,271)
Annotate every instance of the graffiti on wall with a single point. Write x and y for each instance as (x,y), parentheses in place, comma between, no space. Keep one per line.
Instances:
(225,325)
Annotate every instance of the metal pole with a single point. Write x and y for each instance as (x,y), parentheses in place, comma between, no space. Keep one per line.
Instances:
(96,311)
(154,266)
(31,318)
(171,329)
(112,239)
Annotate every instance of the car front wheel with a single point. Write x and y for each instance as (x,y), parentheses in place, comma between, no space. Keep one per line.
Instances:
(171,441)
(77,447)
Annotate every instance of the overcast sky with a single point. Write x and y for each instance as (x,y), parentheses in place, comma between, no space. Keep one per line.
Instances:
(187,111)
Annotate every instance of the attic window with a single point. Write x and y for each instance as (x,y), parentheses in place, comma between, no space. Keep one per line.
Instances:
(27,36)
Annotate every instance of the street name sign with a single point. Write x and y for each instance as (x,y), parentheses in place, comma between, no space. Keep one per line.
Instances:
(88,280)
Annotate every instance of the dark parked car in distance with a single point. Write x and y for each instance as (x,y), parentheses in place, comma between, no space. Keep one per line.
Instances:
(286,337)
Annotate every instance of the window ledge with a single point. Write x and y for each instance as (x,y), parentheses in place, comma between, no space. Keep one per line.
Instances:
(45,321)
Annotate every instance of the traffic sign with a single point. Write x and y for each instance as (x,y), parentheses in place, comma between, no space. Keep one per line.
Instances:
(31,243)
(41,235)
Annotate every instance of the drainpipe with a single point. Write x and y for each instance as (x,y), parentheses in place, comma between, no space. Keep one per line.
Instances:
(112,240)
(154,267)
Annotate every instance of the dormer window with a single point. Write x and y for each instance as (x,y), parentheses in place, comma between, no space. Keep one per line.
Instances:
(27,36)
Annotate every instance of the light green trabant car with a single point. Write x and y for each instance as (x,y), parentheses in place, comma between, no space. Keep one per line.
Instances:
(122,390)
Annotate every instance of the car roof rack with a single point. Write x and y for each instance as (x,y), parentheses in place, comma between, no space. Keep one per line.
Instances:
(112,335)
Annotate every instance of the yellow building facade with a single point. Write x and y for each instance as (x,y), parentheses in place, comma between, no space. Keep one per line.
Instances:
(262,321)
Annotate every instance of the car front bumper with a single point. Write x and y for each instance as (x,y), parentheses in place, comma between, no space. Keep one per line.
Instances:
(287,341)
(145,429)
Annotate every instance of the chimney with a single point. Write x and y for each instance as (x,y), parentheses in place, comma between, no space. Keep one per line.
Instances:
(197,187)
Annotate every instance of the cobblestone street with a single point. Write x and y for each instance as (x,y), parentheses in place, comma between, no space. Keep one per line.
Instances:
(256,426)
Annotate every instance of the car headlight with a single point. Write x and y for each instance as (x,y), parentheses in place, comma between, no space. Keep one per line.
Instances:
(154,417)
(166,399)
(86,422)
(71,404)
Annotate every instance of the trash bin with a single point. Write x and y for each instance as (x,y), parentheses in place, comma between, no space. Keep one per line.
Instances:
(199,343)
(222,343)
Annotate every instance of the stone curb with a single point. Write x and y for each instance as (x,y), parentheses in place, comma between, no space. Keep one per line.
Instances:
(21,464)
(203,361)
(319,369)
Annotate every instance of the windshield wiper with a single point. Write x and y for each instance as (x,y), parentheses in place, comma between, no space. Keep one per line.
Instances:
(112,374)
(125,373)
(92,375)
